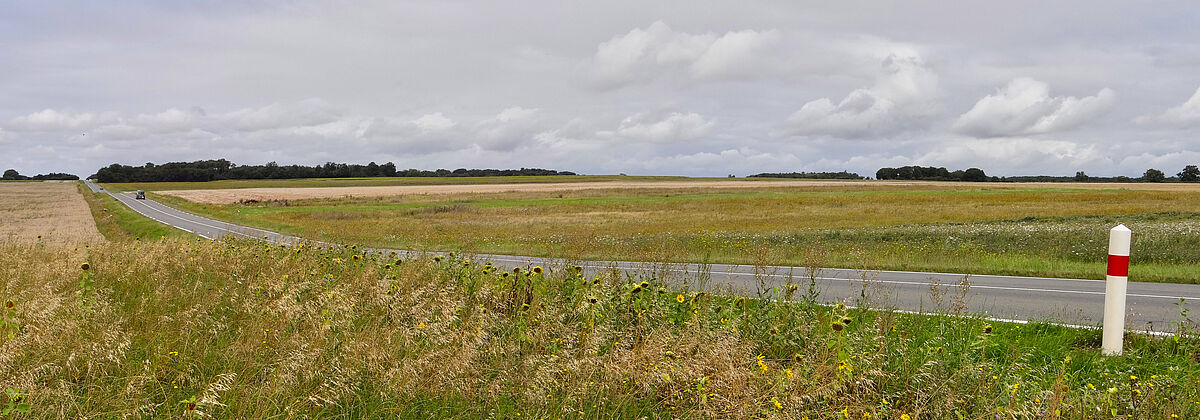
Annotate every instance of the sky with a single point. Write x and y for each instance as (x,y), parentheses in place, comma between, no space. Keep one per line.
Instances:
(690,87)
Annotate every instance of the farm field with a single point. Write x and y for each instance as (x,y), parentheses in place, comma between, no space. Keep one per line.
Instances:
(232,329)
(401,181)
(1048,230)
(45,212)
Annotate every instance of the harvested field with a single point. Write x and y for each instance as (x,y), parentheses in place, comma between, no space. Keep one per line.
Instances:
(229,196)
(46,211)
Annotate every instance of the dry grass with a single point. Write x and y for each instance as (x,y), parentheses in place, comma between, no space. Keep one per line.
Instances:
(246,330)
(45,211)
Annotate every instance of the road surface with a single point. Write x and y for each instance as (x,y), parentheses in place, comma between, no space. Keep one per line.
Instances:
(1150,306)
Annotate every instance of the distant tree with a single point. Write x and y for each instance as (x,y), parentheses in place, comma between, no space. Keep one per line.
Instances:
(1081,177)
(974,175)
(1153,175)
(55,176)
(808,175)
(12,175)
(1189,173)
(208,170)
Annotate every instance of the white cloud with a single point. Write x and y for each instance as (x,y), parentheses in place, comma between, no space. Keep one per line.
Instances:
(674,127)
(515,113)
(1185,115)
(170,120)
(1025,107)
(52,120)
(646,54)
(434,122)
(904,95)
(1014,156)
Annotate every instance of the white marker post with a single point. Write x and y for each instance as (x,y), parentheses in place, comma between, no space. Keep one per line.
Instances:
(1114,290)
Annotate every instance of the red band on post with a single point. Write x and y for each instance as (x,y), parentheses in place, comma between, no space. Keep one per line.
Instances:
(1118,265)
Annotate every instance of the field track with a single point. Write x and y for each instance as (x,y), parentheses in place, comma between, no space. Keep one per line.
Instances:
(1151,306)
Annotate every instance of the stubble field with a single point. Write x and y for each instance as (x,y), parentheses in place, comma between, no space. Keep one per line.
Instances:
(45,211)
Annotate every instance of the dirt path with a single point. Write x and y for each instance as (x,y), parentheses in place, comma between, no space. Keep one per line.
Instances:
(45,211)
(227,196)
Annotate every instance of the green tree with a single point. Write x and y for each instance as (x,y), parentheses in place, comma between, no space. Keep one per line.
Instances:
(12,175)
(1153,175)
(974,175)
(1189,173)
(1081,177)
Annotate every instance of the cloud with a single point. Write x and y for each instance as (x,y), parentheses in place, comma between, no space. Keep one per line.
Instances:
(903,96)
(1185,115)
(52,120)
(1014,156)
(304,113)
(674,127)
(1025,107)
(508,130)
(433,122)
(646,54)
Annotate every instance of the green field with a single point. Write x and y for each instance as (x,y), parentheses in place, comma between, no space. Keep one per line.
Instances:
(180,329)
(979,229)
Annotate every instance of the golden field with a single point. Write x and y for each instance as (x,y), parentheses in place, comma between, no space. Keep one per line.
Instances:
(50,211)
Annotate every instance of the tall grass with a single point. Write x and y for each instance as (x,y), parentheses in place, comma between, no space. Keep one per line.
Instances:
(248,330)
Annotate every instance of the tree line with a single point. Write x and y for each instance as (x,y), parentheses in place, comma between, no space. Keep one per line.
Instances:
(13,175)
(218,169)
(932,173)
(1190,173)
(809,175)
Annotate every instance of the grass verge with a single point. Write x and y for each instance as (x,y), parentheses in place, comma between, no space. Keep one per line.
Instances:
(118,223)
(248,330)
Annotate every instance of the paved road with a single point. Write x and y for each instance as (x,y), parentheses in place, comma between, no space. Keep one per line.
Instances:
(1151,306)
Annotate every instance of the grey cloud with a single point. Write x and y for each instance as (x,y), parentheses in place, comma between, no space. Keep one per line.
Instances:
(1025,107)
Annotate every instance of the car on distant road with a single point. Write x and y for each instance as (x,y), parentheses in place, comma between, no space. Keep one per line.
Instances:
(141,195)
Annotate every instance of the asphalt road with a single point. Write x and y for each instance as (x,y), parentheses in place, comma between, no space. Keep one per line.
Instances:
(1150,306)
